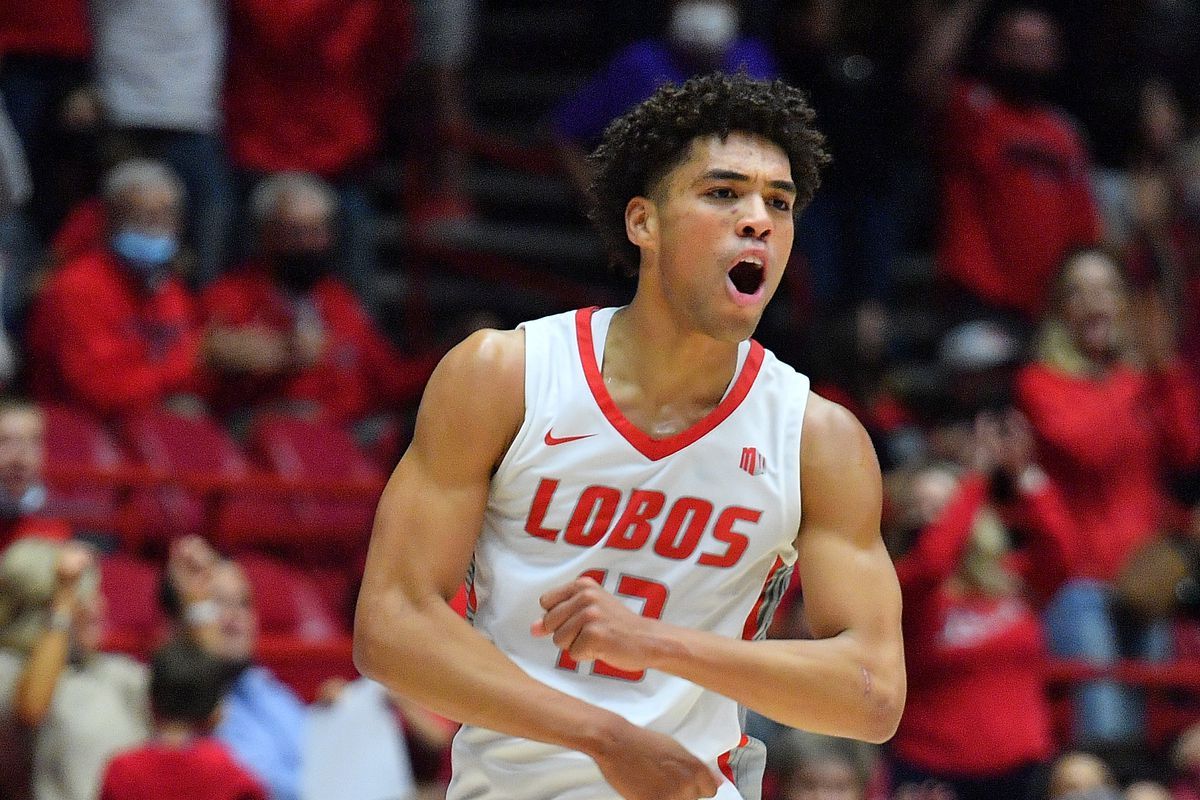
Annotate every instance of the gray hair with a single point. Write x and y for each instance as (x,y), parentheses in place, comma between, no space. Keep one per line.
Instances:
(271,190)
(140,173)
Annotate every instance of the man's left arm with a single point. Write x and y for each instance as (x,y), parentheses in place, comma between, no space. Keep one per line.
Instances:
(849,681)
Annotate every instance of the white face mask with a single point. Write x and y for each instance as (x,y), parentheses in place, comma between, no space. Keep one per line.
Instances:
(702,26)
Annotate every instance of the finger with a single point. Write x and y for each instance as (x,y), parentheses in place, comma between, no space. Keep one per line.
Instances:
(570,636)
(557,615)
(558,595)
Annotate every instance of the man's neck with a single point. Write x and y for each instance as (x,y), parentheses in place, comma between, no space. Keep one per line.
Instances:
(651,362)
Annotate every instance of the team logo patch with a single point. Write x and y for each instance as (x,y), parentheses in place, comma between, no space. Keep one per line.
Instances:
(753,462)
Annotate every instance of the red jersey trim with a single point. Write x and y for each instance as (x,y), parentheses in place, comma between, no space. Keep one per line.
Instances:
(723,760)
(656,449)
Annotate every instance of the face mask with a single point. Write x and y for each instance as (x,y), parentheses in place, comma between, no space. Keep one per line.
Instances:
(300,270)
(16,507)
(149,254)
(702,27)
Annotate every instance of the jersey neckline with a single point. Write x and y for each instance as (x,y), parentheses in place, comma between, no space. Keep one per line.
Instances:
(656,449)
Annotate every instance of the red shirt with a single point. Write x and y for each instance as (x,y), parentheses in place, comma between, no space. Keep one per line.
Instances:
(46,28)
(33,526)
(359,371)
(975,704)
(99,341)
(1016,197)
(1106,442)
(307,80)
(201,770)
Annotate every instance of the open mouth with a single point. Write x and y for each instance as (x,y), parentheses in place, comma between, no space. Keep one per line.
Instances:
(746,277)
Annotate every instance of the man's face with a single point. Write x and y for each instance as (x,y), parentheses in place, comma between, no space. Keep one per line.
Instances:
(1026,41)
(826,780)
(22,450)
(719,233)
(236,620)
(301,223)
(152,209)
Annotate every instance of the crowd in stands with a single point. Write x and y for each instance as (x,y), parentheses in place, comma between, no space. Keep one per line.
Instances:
(1000,276)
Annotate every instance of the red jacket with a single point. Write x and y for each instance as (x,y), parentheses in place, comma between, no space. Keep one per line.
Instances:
(359,372)
(1106,442)
(307,80)
(202,770)
(1016,197)
(46,28)
(98,341)
(975,694)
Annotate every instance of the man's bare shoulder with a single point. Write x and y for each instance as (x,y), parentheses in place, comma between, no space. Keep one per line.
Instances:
(476,396)
(838,466)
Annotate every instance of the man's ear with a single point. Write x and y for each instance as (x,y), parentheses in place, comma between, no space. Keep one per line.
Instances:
(641,222)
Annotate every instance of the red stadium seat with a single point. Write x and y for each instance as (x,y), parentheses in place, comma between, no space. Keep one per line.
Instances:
(289,601)
(189,448)
(305,451)
(304,666)
(134,620)
(76,440)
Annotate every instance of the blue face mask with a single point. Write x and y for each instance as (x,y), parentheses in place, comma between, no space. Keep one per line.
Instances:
(148,253)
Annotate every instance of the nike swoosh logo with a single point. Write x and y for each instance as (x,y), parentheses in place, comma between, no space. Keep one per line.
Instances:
(552,440)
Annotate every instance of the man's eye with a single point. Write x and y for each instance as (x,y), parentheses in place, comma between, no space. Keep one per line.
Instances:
(722,193)
(781,204)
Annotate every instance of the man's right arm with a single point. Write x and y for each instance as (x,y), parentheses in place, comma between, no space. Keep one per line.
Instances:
(408,638)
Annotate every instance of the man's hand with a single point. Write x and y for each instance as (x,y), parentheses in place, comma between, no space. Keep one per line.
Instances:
(74,559)
(652,766)
(589,623)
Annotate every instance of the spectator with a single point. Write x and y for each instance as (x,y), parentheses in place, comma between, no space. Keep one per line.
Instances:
(263,720)
(824,773)
(65,708)
(702,35)
(114,330)
(286,331)
(183,761)
(1111,414)
(45,49)
(851,232)
(1081,776)
(1185,757)
(158,71)
(976,719)
(1014,170)
(306,89)
(22,492)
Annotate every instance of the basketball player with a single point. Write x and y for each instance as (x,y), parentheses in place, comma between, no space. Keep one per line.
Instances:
(623,490)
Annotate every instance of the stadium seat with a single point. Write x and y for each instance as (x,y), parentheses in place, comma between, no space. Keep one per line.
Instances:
(190,448)
(303,450)
(288,600)
(76,440)
(134,620)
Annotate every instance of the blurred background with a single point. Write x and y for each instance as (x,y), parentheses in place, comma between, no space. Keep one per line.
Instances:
(237,235)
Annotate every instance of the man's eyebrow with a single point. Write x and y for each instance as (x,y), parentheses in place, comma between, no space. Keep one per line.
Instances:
(730,175)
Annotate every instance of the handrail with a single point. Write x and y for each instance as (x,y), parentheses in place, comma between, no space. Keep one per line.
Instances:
(146,477)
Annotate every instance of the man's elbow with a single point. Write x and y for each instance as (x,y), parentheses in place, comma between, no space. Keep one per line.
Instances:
(885,705)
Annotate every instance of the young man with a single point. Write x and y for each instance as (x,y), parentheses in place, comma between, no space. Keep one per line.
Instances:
(622,489)
(183,760)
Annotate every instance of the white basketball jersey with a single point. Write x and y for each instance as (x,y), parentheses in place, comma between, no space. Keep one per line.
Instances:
(696,529)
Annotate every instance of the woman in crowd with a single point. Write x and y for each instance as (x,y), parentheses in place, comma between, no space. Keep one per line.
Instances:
(65,707)
(1112,413)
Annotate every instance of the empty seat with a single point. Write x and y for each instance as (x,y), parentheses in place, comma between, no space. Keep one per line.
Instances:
(289,601)
(191,450)
(77,441)
(134,621)
(317,454)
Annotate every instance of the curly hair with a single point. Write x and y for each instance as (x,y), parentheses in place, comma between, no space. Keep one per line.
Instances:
(641,147)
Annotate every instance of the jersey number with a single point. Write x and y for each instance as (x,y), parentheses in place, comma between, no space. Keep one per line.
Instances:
(654,597)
